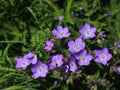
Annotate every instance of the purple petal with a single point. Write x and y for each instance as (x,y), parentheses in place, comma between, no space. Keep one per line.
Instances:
(65,29)
(59,28)
(65,68)
(60,18)
(67,35)
(97,59)
(109,56)
(104,62)
(81,63)
(30,55)
(43,74)
(105,50)
(71,43)
(84,51)
(34,60)
(97,52)
(87,26)
(77,56)
(93,29)
(87,63)
(89,57)
(47,48)
(78,41)
(54,32)
(36,75)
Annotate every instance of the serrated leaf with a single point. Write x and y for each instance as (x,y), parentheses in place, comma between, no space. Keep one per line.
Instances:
(39,37)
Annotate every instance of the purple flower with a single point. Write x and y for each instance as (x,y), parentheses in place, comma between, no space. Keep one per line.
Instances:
(102,56)
(83,58)
(75,15)
(55,82)
(108,14)
(82,8)
(72,64)
(61,32)
(118,69)
(60,18)
(87,31)
(39,70)
(49,45)
(65,68)
(56,61)
(31,57)
(102,35)
(22,62)
(117,44)
(76,46)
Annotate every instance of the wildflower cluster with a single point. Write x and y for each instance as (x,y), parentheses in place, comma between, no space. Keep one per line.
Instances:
(37,67)
(78,54)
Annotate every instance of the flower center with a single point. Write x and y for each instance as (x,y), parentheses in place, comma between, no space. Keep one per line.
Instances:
(77,47)
(82,58)
(72,64)
(56,63)
(102,56)
(24,64)
(61,34)
(39,69)
(87,32)
(50,45)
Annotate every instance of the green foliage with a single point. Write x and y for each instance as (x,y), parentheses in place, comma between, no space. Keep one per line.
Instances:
(26,24)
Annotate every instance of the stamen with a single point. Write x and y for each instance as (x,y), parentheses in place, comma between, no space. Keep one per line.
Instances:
(82,58)
(39,69)
(102,56)
(87,32)
(24,64)
(77,47)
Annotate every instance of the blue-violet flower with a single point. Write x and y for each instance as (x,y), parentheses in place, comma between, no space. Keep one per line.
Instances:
(56,61)
(22,62)
(49,45)
(72,64)
(31,57)
(102,56)
(87,31)
(60,18)
(61,32)
(39,70)
(83,58)
(76,46)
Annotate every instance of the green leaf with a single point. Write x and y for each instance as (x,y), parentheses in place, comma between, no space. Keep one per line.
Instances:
(3,80)
(113,4)
(12,3)
(6,69)
(68,16)
(38,38)
(55,76)
(100,66)
(33,14)
(15,88)
(97,74)
(53,6)
(65,87)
